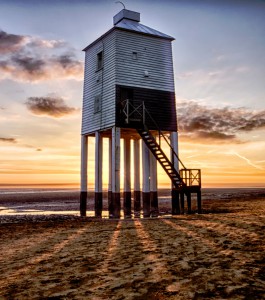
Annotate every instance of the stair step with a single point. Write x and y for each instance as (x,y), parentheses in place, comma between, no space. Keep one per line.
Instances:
(155,148)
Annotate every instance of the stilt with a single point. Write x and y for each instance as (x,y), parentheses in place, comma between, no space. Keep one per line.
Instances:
(98,175)
(174,145)
(146,180)
(174,160)
(182,202)
(83,192)
(110,206)
(189,202)
(115,178)
(127,178)
(199,204)
(175,202)
(137,193)
(153,186)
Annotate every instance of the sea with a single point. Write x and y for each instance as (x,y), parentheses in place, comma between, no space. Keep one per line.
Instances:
(64,200)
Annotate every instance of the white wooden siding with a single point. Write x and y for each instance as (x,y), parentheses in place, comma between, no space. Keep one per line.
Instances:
(153,55)
(105,87)
(120,68)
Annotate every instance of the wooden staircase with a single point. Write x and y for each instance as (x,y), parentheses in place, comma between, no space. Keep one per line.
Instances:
(161,157)
(186,181)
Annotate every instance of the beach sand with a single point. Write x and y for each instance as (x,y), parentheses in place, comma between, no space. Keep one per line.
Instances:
(216,255)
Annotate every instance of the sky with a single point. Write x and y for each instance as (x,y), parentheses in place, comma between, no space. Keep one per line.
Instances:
(219,71)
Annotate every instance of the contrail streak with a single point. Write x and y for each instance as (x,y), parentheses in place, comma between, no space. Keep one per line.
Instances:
(248,161)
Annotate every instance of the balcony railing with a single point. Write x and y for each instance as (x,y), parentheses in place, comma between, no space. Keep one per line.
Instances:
(191,177)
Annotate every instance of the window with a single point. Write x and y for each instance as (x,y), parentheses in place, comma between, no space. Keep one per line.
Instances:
(97,104)
(134,55)
(100,60)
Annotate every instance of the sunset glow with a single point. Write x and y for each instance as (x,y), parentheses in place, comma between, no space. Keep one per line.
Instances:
(219,70)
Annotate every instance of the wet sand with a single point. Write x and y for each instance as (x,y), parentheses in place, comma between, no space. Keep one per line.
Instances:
(217,255)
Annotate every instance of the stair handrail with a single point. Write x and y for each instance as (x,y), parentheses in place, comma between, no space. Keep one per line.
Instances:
(162,134)
(142,114)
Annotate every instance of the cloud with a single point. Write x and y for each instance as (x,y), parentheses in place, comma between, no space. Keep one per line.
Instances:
(29,58)
(17,143)
(199,122)
(10,42)
(40,43)
(29,65)
(49,106)
(8,140)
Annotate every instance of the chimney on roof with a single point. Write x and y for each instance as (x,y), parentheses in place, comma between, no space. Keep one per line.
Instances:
(126,14)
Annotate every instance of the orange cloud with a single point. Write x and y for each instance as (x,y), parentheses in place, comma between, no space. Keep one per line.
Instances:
(8,140)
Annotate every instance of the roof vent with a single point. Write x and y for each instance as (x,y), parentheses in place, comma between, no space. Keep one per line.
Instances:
(126,14)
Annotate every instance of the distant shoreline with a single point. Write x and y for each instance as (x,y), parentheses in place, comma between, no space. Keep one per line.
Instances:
(76,186)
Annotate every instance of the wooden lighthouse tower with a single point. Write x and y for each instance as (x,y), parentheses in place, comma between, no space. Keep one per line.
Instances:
(129,94)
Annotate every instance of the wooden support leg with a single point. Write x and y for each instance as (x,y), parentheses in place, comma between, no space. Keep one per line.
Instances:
(127,179)
(175,162)
(110,206)
(98,204)
(199,205)
(189,202)
(146,204)
(146,180)
(182,202)
(175,202)
(83,203)
(153,186)
(98,175)
(154,204)
(83,192)
(174,145)
(115,178)
(137,192)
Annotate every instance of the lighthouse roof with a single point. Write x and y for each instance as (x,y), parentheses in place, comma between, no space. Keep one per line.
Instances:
(140,28)
(130,21)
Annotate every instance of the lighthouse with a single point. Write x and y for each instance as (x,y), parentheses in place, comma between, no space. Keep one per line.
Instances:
(129,94)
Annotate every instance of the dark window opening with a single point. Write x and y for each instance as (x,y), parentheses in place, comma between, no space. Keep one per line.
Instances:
(97,104)
(100,60)
(134,55)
